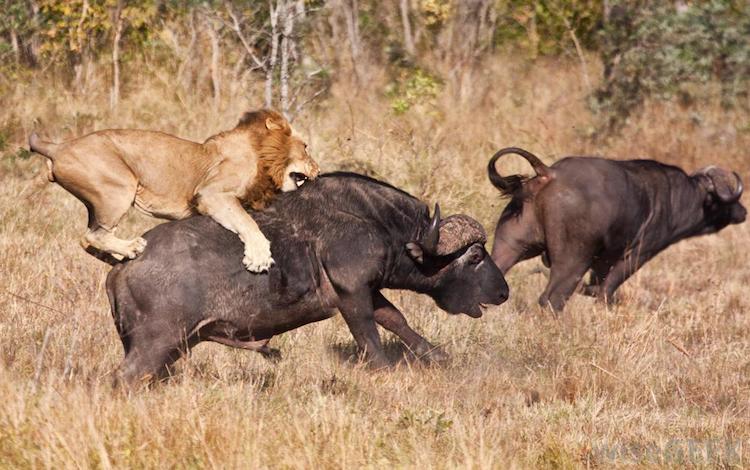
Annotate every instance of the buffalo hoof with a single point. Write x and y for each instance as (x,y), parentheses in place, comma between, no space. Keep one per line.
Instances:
(272,354)
(434,356)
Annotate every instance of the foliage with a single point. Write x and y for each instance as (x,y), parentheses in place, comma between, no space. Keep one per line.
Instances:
(413,87)
(73,27)
(544,26)
(648,47)
(435,12)
(655,50)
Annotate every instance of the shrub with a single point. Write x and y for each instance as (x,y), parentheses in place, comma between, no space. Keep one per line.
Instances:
(412,87)
(666,52)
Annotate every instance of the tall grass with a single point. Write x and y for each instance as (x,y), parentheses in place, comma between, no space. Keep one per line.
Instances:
(662,379)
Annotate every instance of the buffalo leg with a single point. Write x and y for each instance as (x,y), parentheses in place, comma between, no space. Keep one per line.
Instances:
(517,237)
(144,365)
(620,273)
(507,254)
(594,286)
(563,281)
(569,261)
(599,271)
(390,318)
(150,349)
(357,310)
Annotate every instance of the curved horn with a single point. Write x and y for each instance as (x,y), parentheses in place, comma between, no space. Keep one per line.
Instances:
(723,189)
(740,187)
(431,238)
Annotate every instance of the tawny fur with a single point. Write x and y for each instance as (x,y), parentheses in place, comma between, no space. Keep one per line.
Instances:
(173,178)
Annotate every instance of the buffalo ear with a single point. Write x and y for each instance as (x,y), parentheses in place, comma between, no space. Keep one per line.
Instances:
(415,252)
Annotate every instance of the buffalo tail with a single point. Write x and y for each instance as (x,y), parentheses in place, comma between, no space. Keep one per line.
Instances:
(509,185)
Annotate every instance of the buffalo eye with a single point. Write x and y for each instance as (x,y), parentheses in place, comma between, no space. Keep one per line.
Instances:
(476,255)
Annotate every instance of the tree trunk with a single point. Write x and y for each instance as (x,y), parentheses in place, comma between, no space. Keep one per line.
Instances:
(34,43)
(215,63)
(408,37)
(114,97)
(606,10)
(15,46)
(186,70)
(351,13)
(271,62)
(287,44)
(81,45)
(299,7)
(464,45)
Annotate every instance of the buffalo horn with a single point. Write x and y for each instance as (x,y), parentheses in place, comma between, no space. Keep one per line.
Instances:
(740,187)
(459,231)
(722,187)
(431,238)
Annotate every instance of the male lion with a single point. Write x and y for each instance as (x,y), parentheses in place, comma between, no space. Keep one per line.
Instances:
(171,178)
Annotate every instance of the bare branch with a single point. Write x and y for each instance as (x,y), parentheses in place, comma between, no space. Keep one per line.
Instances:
(215,60)
(287,44)
(274,17)
(309,100)
(114,98)
(237,28)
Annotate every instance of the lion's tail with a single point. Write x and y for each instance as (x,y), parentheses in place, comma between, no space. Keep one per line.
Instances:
(508,185)
(48,149)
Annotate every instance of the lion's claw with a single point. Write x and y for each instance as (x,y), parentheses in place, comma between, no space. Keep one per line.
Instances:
(255,265)
(257,262)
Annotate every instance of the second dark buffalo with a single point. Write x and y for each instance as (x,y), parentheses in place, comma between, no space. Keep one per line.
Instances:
(337,242)
(607,216)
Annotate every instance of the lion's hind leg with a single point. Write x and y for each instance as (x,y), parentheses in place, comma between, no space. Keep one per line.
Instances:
(107,187)
(102,225)
(104,240)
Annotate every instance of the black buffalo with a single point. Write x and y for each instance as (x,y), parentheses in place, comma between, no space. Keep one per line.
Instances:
(608,216)
(337,242)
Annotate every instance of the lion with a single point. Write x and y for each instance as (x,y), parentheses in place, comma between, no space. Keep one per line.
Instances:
(172,178)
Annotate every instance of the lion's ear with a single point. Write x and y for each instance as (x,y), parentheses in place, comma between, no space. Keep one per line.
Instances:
(272,125)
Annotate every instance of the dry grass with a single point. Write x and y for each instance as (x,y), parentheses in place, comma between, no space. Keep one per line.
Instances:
(665,374)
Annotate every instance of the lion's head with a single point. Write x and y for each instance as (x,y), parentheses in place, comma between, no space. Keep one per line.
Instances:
(283,161)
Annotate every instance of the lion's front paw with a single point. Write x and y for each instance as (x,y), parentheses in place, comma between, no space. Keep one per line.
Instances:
(134,247)
(257,264)
(258,256)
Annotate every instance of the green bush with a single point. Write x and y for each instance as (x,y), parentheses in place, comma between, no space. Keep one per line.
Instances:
(543,27)
(412,87)
(658,51)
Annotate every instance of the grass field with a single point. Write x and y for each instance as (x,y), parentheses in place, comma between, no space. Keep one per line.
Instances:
(660,380)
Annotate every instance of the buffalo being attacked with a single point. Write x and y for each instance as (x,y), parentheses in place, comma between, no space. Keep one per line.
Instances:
(337,242)
(604,215)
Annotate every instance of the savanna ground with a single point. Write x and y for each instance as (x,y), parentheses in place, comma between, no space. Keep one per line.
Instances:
(662,379)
